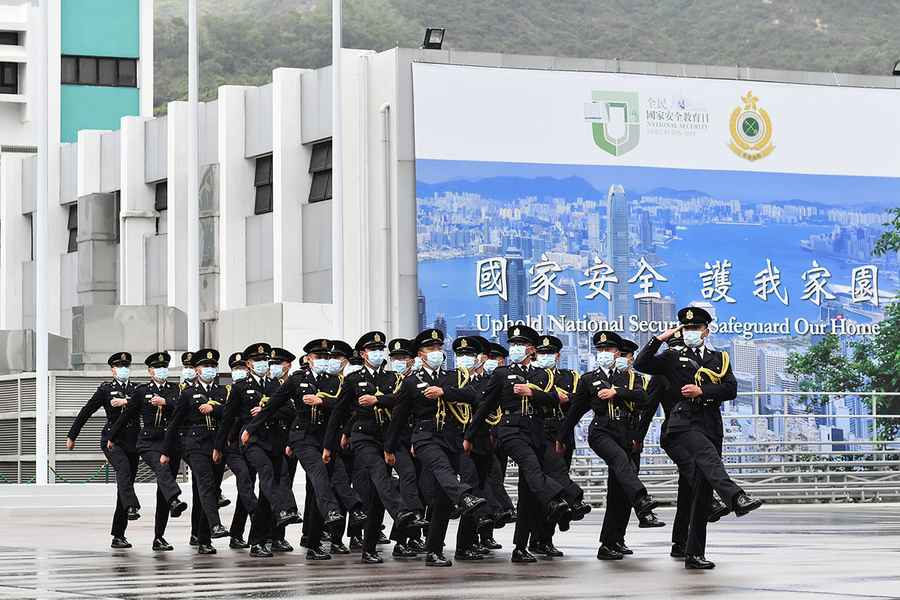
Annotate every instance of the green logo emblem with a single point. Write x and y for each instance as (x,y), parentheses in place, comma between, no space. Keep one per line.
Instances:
(615,121)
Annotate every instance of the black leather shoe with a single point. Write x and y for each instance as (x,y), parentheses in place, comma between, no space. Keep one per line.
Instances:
(120,542)
(470,503)
(383,540)
(677,550)
(161,545)
(371,558)
(217,531)
(437,560)
(455,513)
(339,548)
(133,513)
(718,510)
(485,524)
(744,504)
(356,518)
(285,517)
(194,541)
(579,511)
(223,501)
(467,555)
(491,544)
(650,520)
(206,549)
(520,555)
(356,544)
(333,517)
(479,549)
(416,545)
(645,505)
(621,548)
(317,554)
(281,546)
(510,516)
(607,553)
(260,551)
(692,561)
(237,543)
(176,507)
(556,510)
(420,522)
(548,549)
(401,551)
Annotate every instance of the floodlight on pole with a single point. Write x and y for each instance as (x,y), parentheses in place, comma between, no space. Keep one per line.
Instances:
(434,38)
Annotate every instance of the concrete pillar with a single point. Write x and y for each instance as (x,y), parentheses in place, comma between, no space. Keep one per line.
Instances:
(138,215)
(290,189)
(235,197)
(15,241)
(97,252)
(176,214)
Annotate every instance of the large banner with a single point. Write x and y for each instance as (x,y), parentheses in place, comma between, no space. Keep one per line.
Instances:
(582,201)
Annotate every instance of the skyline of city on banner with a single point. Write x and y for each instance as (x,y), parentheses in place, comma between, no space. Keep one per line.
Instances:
(499,242)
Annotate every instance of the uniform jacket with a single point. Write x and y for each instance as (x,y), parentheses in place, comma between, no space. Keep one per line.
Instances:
(125,435)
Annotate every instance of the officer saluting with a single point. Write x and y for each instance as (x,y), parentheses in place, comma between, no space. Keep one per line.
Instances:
(197,415)
(704,380)
(112,397)
(154,403)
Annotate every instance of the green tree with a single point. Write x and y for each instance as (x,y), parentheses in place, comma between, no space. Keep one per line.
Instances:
(824,368)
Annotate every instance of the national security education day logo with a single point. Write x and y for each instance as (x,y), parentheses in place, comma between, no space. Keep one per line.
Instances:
(751,130)
(615,121)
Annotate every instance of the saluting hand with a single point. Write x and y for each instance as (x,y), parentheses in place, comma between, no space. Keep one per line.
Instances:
(668,333)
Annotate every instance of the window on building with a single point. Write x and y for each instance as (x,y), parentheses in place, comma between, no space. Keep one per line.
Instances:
(9,78)
(9,38)
(92,70)
(73,228)
(320,168)
(263,183)
(161,200)
(118,223)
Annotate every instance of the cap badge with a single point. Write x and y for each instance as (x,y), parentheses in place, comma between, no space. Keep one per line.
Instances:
(434,334)
(259,349)
(602,337)
(209,355)
(160,357)
(689,314)
(546,341)
(516,331)
(463,344)
(123,356)
(377,337)
(396,345)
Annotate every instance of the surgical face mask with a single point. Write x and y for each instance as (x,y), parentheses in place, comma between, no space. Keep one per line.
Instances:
(207,374)
(398,366)
(375,357)
(161,373)
(546,361)
(621,364)
(276,370)
(351,369)
(465,361)
(260,367)
(320,365)
(605,359)
(517,353)
(435,359)
(238,374)
(188,374)
(334,366)
(417,364)
(121,373)
(693,338)
(490,364)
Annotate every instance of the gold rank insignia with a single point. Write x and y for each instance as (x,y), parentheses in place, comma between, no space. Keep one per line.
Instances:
(377,337)
(209,355)
(689,314)
(463,344)
(434,335)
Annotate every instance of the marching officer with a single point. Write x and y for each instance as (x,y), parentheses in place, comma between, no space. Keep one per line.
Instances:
(520,391)
(427,395)
(197,415)
(366,399)
(702,378)
(113,396)
(154,403)
(496,356)
(614,403)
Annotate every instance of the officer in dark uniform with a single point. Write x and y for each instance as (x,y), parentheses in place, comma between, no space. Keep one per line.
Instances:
(244,475)
(312,394)
(154,403)
(496,357)
(280,363)
(187,378)
(197,416)
(704,380)
(113,396)
(367,397)
(614,404)
(261,449)
(426,396)
(565,382)
(520,392)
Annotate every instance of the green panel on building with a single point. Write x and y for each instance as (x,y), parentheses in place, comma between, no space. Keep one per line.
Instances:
(101,27)
(94,107)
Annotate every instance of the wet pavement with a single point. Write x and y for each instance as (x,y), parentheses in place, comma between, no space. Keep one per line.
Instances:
(54,544)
